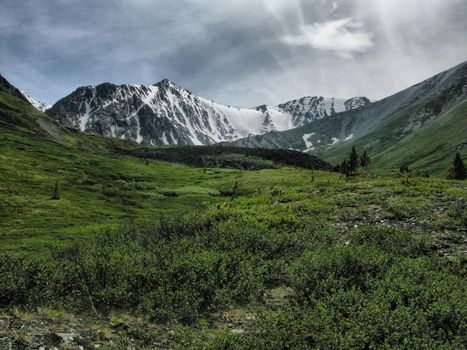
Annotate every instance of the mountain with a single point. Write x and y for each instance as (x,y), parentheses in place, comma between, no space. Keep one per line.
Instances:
(422,126)
(6,87)
(41,106)
(165,113)
(18,117)
(9,89)
(27,129)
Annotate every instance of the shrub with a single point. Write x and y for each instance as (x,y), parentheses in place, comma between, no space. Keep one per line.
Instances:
(319,273)
(390,240)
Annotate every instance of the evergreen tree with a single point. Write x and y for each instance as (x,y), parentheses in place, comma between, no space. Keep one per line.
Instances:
(56,191)
(365,160)
(353,161)
(457,171)
(235,189)
(344,168)
(404,168)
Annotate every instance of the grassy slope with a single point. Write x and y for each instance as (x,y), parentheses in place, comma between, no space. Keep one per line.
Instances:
(289,240)
(97,189)
(430,148)
(388,128)
(295,241)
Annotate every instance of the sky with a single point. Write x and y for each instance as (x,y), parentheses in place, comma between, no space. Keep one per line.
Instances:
(237,52)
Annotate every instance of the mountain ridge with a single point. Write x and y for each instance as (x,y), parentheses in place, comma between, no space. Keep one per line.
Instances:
(41,106)
(382,125)
(166,113)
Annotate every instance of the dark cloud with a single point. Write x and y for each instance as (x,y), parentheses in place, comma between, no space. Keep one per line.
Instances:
(239,52)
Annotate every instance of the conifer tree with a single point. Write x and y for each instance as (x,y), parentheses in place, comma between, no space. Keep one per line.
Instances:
(404,168)
(457,171)
(235,189)
(345,169)
(365,160)
(56,191)
(353,161)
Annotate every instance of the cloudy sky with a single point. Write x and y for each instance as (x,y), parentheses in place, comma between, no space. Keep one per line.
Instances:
(239,52)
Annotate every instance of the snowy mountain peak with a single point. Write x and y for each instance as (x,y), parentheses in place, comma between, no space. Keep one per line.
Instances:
(165,113)
(310,108)
(166,83)
(356,102)
(169,84)
(262,108)
(41,106)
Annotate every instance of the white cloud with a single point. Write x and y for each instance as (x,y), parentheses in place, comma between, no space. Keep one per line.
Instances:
(335,6)
(221,50)
(344,37)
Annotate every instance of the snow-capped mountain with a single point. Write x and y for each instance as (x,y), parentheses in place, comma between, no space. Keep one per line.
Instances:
(356,102)
(307,109)
(423,123)
(41,106)
(165,113)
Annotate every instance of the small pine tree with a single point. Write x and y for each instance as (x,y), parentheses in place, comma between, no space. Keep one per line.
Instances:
(353,161)
(457,171)
(56,191)
(345,168)
(235,189)
(365,160)
(404,168)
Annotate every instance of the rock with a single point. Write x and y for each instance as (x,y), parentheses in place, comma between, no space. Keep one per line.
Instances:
(66,337)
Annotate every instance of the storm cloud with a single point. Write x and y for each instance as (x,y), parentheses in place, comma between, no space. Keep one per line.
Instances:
(239,52)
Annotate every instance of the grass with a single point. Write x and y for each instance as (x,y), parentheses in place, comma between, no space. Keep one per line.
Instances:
(425,149)
(139,250)
(422,127)
(98,191)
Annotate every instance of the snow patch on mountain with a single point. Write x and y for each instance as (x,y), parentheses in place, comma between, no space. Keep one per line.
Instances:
(165,113)
(308,143)
(41,106)
(334,140)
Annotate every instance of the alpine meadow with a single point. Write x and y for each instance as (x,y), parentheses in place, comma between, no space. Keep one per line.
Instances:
(139,215)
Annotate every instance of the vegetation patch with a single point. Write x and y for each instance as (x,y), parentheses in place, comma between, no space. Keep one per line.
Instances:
(103,245)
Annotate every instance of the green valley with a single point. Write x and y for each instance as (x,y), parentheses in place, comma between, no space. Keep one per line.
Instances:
(266,250)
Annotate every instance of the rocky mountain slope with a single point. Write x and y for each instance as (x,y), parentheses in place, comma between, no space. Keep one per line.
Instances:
(422,126)
(41,106)
(19,116)
(44,135)
(7,88)
(165,113)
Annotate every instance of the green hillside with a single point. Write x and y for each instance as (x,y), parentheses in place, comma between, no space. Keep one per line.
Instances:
(101,184)
(422,126)
(138,252)
(430,148)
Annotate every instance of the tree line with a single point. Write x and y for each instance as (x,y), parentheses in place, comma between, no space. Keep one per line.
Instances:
(350,165)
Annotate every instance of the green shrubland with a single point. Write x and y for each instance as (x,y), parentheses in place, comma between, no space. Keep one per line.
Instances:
(306,258)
